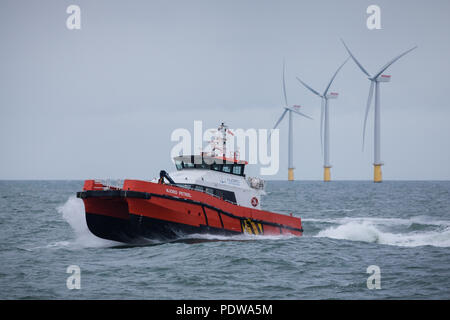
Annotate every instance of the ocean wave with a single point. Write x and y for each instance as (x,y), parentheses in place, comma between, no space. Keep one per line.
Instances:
(368,230)
(418,220)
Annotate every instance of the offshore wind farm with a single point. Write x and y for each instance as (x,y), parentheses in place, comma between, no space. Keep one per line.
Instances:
(375,81)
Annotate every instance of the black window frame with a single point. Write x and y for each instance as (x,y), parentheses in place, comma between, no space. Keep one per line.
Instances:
(219,167)
(220,193)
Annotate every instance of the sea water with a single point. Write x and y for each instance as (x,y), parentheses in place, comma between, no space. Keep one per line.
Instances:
(401,227)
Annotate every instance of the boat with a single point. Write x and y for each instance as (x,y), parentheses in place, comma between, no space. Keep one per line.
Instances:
(208,193)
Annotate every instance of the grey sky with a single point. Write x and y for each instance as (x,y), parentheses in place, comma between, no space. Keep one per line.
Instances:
(102,101)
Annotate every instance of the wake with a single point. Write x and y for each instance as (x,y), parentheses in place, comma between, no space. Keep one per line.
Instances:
(377,230)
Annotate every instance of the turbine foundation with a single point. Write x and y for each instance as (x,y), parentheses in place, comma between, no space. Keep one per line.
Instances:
(326,174)
(377,176)
(291,174)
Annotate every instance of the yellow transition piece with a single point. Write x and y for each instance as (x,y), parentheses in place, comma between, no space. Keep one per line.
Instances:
(377,177)
(326,174)
(291,174)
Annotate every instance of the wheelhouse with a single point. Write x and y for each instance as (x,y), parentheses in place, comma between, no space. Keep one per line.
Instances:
(220,164)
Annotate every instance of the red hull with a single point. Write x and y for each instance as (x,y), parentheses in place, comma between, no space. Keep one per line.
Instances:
(149,210)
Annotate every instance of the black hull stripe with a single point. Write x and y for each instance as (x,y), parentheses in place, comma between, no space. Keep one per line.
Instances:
(147,196)
(206,217)
(220,217)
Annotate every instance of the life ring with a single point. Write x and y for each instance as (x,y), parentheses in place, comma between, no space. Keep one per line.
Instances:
(254,201)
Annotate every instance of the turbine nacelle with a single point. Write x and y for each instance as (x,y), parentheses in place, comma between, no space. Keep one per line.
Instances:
(287,108)
(295,109)
(384,78)
(332,95)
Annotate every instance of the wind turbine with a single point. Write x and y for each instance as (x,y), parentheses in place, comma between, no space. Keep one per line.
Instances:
(290,109)
(375,82)
(325,121)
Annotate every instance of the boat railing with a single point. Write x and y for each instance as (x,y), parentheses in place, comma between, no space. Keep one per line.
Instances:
(108,184)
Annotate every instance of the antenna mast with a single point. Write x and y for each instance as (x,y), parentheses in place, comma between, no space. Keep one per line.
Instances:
(223,128)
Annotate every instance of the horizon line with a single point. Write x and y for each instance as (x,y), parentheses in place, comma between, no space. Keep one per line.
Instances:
(299,180)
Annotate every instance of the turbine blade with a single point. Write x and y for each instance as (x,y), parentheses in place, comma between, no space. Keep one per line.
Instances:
(356,61)
(309,88)
(284,84)
(322,118)
(387,65)
(334,76)
(278,122)
(369,100)
(300,113)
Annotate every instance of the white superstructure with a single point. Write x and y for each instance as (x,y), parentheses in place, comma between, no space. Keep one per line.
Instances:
(215,174)
(222,178)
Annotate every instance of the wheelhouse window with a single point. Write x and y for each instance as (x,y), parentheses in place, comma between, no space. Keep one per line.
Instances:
(237,169)
(202,166)
(199,188)
(227,168)
(189,162)
(178,164)
(222,194)
(188,165)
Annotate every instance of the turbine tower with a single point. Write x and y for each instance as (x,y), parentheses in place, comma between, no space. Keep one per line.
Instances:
(325,121)
(375,82)
(290,109)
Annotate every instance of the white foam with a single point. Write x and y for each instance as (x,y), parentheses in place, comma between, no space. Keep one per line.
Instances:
(383,221)
(73,212)
(240,237)
(390,221)
(368,230)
